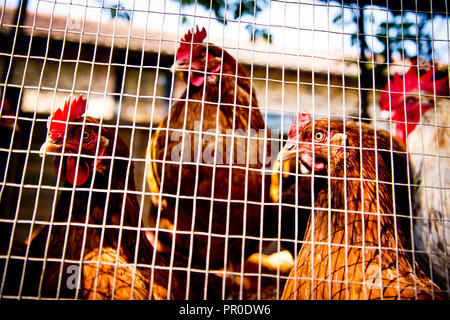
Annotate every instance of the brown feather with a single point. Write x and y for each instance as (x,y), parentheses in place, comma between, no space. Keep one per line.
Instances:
(225,106)
(107,266)
(295,191)
(355,250)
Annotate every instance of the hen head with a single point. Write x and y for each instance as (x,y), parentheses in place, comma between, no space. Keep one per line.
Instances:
(67,135)
(315,144)
(402,104)
(194,57)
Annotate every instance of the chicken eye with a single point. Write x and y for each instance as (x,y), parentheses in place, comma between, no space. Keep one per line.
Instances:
(319,136)
(86,135)
(410,100)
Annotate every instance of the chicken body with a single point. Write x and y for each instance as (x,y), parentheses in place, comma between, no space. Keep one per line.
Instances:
(205,161)
(429,147)
(353,249)
(92,249)
(295,187)
(427,134)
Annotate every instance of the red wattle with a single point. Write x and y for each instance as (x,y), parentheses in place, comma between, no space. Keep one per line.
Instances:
(400,132)
(197,80)
(83,171)
(308,159)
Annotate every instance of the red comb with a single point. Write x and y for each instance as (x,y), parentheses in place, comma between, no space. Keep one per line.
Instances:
(298,124)
(188,39)
(411,85)
(427,84)
(72,111)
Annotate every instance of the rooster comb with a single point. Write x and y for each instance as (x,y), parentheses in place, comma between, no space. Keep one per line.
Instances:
(411,84)
(72,110)
(298,124)
(189,39)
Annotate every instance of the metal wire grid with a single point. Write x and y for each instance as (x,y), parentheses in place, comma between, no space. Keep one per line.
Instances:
(134,127)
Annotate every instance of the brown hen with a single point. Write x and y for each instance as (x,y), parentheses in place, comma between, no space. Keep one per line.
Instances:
(92,249)
(353,247)
(292,189)
(206,160)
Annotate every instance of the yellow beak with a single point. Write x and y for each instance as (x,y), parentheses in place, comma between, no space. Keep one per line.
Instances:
(49,147)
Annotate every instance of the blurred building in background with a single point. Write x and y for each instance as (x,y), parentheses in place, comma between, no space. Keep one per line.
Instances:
(124,72)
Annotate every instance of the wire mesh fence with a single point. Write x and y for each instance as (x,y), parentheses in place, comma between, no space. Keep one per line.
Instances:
(230,150)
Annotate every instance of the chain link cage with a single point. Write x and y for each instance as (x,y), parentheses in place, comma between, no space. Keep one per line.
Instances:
(232,149)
